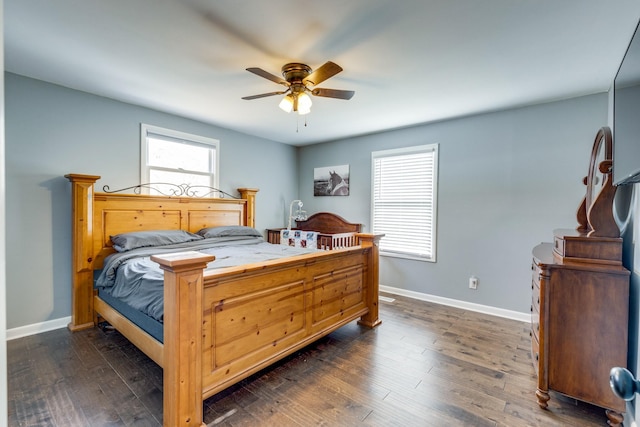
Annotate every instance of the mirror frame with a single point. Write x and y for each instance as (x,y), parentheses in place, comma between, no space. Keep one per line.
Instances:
(595,214)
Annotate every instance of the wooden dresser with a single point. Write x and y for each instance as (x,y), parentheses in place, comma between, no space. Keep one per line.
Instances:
(580,300)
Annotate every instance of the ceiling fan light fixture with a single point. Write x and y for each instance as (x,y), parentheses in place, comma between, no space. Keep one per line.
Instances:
(303,111)
(301,81)
(304,103)
(286,104)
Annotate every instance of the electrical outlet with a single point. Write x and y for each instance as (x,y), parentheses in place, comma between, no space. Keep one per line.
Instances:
(473,282)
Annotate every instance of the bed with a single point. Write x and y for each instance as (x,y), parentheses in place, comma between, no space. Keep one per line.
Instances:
(219,326)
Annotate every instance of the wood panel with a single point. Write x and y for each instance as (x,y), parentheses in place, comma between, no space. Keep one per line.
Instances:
(258,322)
(126,221)
(336,294)
(258,313)
(579,334)
(82,193)
(199,219)
(328,223)
(182,373)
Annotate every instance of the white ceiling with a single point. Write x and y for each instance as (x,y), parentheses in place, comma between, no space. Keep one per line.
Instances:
(409,61)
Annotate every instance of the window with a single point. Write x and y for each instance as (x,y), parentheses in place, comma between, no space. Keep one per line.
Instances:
(403,198)
(178,158)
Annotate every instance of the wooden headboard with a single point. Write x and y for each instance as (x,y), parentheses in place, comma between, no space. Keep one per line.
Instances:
(328,223)
(120,213)
(98,216)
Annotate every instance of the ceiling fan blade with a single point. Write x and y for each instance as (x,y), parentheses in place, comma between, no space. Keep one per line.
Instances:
(333,93)
(262,73)
(263,95)
(329,69)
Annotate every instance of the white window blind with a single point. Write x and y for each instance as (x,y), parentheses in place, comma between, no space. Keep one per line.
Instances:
(178,158)
(404,192)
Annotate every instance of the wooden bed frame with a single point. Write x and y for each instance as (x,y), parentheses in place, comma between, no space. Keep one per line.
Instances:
(223,325)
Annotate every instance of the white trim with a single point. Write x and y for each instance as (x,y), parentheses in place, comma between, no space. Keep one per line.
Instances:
(145,129)
(417,149)
(37,328)
(486,309)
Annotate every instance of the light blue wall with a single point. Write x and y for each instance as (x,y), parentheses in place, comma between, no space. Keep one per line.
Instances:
(52,131)
(506,181)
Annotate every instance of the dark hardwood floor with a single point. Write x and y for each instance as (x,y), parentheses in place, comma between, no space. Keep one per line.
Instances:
(426,365)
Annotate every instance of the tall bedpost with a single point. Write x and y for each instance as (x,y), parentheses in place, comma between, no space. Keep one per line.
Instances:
(182,370)
(82,240)
(250,195)
(371,319)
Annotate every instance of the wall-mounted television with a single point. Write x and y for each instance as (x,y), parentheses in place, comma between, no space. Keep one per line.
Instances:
(626,116)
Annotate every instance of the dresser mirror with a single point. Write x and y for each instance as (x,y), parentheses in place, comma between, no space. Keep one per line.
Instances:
(595,178)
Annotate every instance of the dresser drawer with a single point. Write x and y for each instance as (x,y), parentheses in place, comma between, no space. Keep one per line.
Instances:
(536,275)
(575,246)
(535,299)
(558,245)
(535,353)
(535,322)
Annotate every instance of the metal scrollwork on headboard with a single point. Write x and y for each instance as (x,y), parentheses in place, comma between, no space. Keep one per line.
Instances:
(174,190)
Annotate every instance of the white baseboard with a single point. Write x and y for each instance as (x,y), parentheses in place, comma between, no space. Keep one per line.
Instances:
(37,328)
(486,309)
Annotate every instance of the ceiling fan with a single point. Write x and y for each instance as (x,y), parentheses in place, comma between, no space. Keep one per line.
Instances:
(300,81)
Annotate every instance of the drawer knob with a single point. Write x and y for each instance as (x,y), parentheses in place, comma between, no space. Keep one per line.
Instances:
(532,309)
(537,357)
(538,301)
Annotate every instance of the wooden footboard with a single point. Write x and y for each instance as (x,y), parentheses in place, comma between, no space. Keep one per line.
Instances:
(223,325)
(256,314)
(261,313)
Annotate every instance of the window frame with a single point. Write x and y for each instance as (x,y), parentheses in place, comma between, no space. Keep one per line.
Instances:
(191,139)
(405,151)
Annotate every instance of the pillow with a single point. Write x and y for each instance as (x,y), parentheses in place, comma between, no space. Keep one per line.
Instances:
(139,239)
(228,231)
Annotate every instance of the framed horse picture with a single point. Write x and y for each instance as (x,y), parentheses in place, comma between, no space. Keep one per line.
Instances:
(331,181)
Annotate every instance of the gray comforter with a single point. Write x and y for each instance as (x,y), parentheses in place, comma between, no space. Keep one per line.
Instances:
(136,280)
